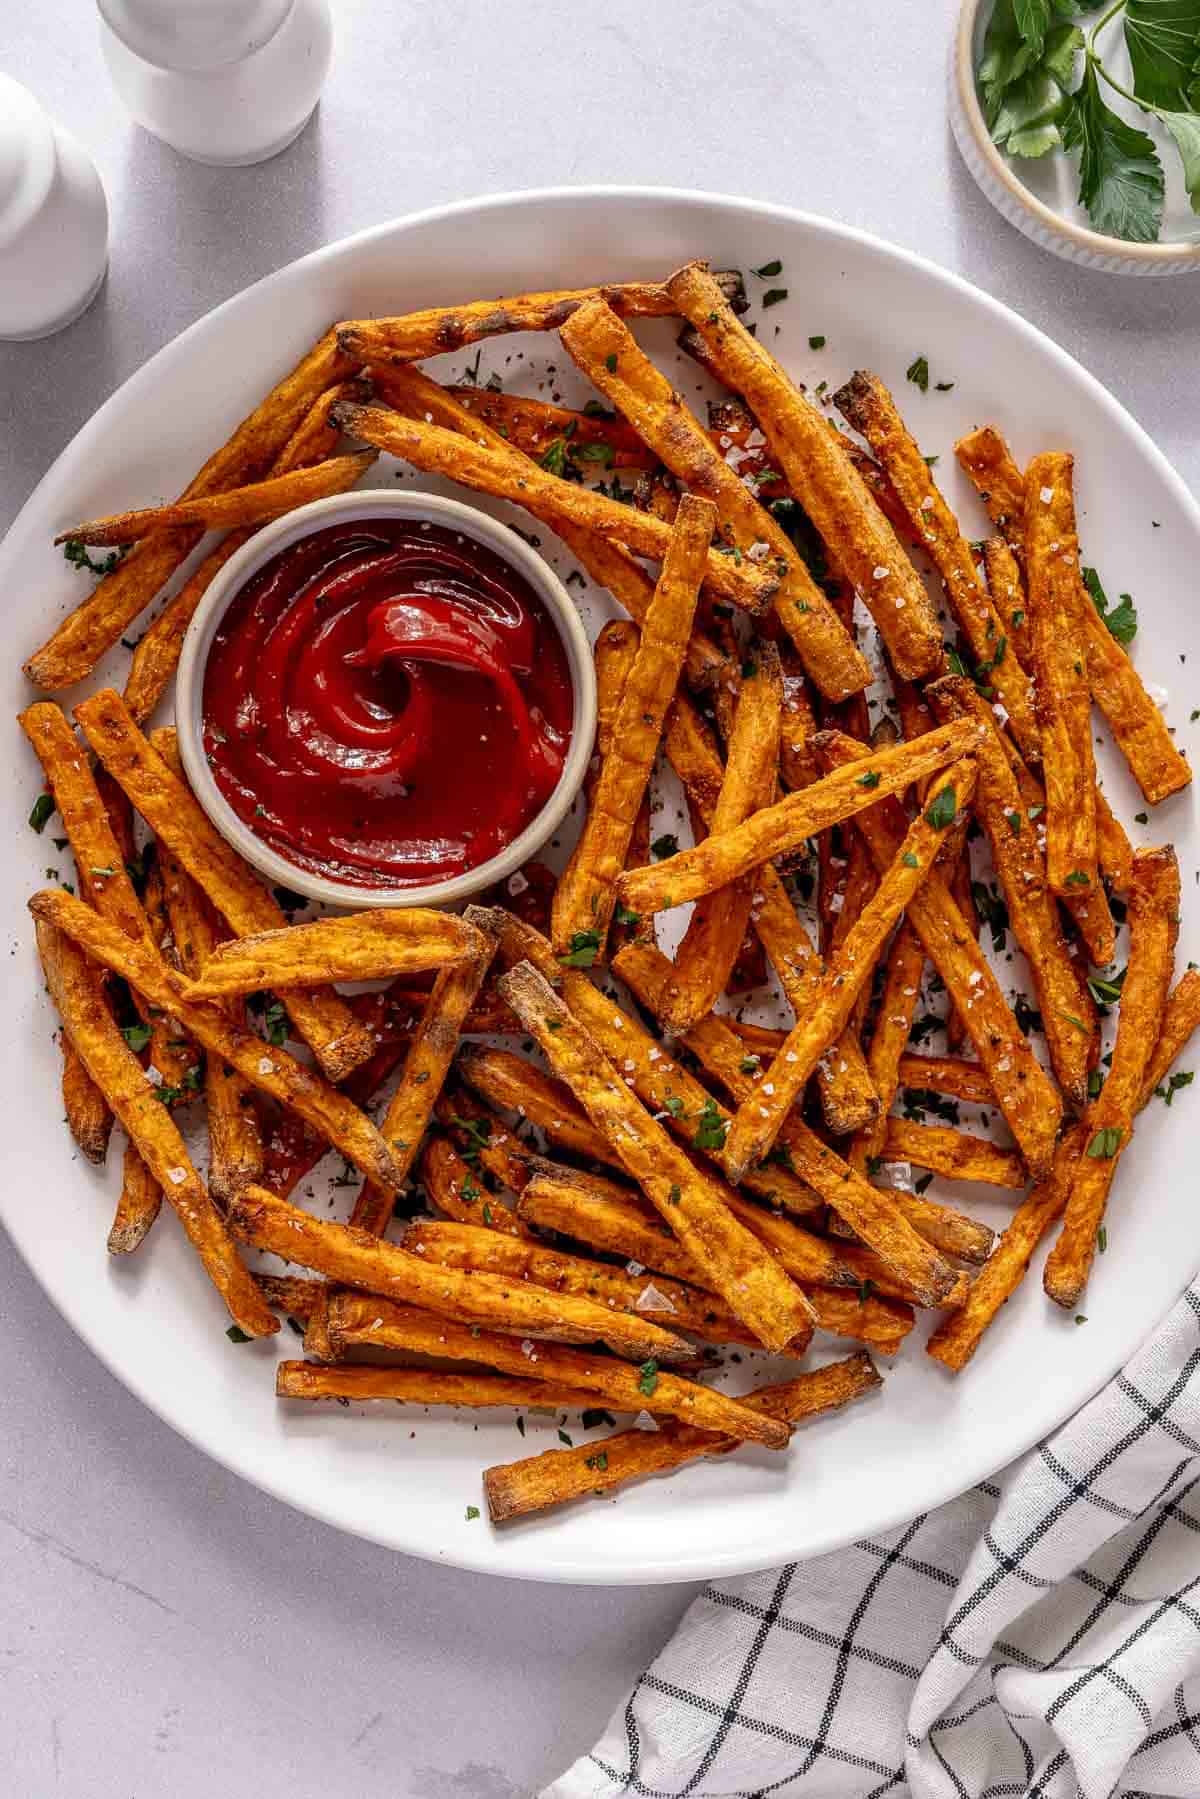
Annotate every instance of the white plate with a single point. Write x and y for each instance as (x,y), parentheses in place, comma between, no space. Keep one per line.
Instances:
(406,1479)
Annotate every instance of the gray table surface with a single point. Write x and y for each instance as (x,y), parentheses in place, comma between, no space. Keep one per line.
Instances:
(167,1630)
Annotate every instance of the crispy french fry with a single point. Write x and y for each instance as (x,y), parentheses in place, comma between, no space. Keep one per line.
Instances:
(454,1190)
(364,1321)
(416,335)
(483,1138)
(138,1206)
(87,1112)
(148,1124)
(99,621)
(1108,1122)
(706,956)
(537,426)
(290,1293)
(167,805)
(611,1218)
(1059,651)
(868,406)
(421,1386)
(1072,1031)
(922,1275)
(658,1079)
(517,1488)
(606,561)
(685,1308)
(236,506)
(514,477)
(426,1066)
(364,946)
(750,1282)
(608,354)
(897,1004)
(948,1074)
(954,1154)
(1006,584)
(157,655)
(270,1070)
(1180,1020)
(791,821)
(584,902)
(848,1098)
(822,477)
(513,1084)
(358,1259)
(1024,1092)
(759,1117)
(984,457)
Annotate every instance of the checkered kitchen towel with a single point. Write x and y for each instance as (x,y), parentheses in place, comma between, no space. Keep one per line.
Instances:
(1038,1638)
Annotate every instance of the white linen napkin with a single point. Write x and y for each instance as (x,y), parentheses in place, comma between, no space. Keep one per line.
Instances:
(1037,1638)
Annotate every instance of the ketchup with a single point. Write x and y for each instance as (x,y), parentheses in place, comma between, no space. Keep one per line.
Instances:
(387,703)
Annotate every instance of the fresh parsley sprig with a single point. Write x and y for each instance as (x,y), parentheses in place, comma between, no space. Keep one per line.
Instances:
(1026,77)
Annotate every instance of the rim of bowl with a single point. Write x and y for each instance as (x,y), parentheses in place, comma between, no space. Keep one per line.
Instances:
(1080,235)
(302,522)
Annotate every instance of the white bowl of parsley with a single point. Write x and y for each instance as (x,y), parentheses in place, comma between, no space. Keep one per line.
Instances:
(1080,120)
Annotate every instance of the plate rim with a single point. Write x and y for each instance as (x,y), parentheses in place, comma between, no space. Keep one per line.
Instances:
(717,1562)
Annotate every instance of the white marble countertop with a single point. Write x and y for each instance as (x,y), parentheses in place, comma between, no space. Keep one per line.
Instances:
(168,1630)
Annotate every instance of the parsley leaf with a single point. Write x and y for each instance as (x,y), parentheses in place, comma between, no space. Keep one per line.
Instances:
(137,1036)
(710,1127)
(939,814)
(472,1512)
(773,296)
(585,947)
(236,1334)
(1105,1144)
(648,1378)
(774,267)
(43,811)
(1163,40)
(1184,128)
(1026,118)
(918,373)
(664,846)
(870,779)
(1122,619)
(1120,175)
(1171,1087)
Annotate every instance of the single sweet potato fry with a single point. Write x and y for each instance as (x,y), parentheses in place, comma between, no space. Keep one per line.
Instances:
(323,1019)
(514,477)
(609,355)
(1006,584)
(87,1112)
(271,1070)
(1108,1121)
(252,505)
(147,1122)
(956,1155)
(759,1118)
(138,1205)
(416,335)
(455,1189)
(822,477)
(421,1386)
(897,1005)
(791,821)
(586,895)
(1060,674)
(361,946)
(947,1074)
(364,1321)
(750,1282)
(705,958)
(683,1307)
(984,457)
(868,406)
(532,1485)
(358,1259)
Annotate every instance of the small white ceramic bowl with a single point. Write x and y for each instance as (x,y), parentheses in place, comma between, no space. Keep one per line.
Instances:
(1054,227)
(375,503)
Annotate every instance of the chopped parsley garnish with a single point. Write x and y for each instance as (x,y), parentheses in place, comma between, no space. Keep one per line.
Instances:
(584,948)
(1171,1086)
(918,373)
(664,846)
(1104,991)
(1121,619)
(1102,1239)
(43,811)
(610,362)
(676,1193)
(237,1335)
(648,1378)
(769,269)
(870,779)
(137,1036)
(816,343)
(992,910)
(472,1512)
(773,296)
(750,1064)
(594,1415)
(1105,1144)
(711,1128)
(554,458)
(939,814)
(1014,822)
(599,1460)
(909,860)
(75,552)
(674,1105)
(1071,1019)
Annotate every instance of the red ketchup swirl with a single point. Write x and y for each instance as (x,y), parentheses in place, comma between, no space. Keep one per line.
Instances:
(387,703)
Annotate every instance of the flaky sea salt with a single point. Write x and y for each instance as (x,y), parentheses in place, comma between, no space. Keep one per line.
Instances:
(650,1299)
